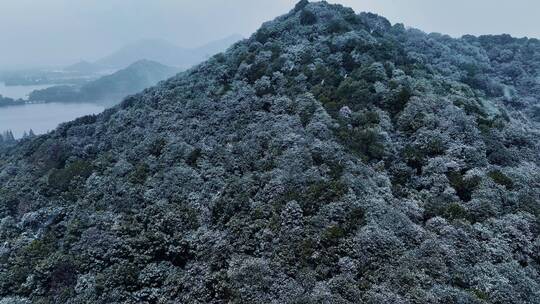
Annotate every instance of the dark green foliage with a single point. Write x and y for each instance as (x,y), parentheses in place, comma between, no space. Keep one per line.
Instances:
(157,147)
(193,156)
(362,136)
(398,102)
(57,271)
(473,106)
(463,186)
(306,114)
(85,120)
(139,175)
(536,113)
(471,71)
(481,295)
(316,194)
(417,156)
(233,201)
(322,192)
(452,211)
(256,71)
(498,153)
(262,35)
(327,96)
(332,235)
(337,26)
(370,73)
(365,119)
(352,18)
(49,156)
(61,179)
(486,125)
(455,211)
(300,5)
(356,93)
(61,278)
(307,18)
(528,202)
(501,179)
(366,143)
(348,62)
(325,74)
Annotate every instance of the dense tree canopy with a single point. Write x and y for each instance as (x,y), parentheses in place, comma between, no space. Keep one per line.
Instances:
(330,158)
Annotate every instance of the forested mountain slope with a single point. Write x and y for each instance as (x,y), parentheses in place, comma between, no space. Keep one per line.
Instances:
(330,158)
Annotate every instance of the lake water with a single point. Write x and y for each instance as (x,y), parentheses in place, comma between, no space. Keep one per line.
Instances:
(17,92)
(42,117)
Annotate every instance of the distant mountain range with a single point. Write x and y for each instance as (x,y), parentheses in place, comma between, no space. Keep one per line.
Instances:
(83,71)
(157,50)
(111,88)
(139,65)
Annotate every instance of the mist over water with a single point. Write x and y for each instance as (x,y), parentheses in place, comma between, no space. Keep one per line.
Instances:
(19,91)
(42,117)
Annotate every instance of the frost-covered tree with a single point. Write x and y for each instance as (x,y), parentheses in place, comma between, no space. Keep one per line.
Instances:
(332,157)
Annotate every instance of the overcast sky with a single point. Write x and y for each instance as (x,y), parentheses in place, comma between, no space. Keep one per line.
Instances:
(47,32)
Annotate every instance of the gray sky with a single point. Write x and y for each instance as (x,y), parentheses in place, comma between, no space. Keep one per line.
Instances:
(47,32)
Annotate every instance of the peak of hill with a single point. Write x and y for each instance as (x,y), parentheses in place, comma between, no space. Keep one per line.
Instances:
(332,157)
(153,71)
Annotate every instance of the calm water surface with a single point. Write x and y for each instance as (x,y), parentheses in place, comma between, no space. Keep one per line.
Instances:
(17,92)
(42,117)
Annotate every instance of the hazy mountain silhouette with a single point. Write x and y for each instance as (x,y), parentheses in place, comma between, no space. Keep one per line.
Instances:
(165,52)
(111,88)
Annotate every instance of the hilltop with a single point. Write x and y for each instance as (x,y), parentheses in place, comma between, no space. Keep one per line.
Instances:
(332,157)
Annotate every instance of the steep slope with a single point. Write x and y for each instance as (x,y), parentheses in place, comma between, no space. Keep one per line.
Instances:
(329,158)
(111,88)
